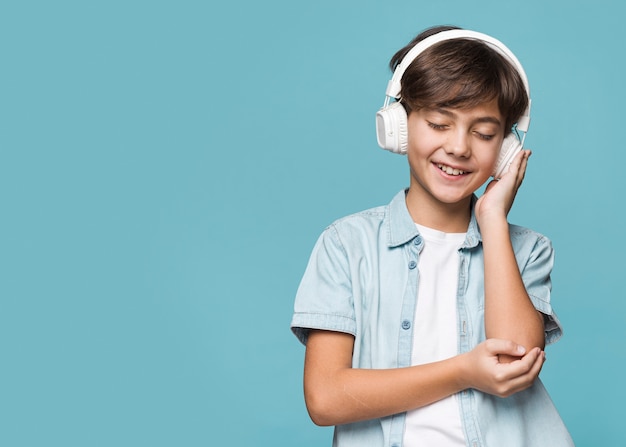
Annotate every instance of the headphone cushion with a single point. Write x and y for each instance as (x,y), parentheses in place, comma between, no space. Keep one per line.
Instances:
(511,146)
(391,128)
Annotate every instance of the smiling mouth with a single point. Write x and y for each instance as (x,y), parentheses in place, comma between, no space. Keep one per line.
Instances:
(449,170)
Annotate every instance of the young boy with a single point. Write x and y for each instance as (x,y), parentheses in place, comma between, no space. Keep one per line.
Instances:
(425,320)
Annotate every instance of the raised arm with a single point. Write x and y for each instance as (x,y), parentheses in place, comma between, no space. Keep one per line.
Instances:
(509,312)
(336,393)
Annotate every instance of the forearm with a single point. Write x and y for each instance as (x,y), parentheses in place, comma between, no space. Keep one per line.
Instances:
(337,394)
(509,312)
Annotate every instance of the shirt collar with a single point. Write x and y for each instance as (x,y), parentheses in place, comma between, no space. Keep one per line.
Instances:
(401,228)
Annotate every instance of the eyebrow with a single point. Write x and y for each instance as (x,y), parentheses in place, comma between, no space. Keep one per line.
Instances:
(481,119)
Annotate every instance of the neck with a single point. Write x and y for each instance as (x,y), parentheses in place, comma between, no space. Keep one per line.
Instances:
(446,217)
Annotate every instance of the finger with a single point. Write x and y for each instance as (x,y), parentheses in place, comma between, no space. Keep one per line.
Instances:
(521,172)
(536,369)
(530,359)
(516,166)
(525,380)
(498,346)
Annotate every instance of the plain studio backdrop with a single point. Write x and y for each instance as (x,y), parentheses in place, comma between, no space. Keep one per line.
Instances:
(166,167)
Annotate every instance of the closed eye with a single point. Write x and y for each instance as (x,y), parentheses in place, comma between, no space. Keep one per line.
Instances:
(437,126)
(485,137)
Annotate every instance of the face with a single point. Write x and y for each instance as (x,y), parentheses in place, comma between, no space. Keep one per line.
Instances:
(452,152)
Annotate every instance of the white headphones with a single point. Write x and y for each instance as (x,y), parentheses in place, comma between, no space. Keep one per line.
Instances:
(391,119)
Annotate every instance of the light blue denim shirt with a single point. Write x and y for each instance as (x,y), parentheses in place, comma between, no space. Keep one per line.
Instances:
(362,279)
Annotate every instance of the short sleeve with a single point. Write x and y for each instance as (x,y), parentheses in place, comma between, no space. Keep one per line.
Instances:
(324,298)
(536,276)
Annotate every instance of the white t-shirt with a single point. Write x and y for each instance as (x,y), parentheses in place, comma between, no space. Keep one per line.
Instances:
(435,336)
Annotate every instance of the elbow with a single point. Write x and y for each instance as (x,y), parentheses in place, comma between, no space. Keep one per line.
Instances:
(528,332)
(530,342)
(536,337)
(319,419)
(322,408)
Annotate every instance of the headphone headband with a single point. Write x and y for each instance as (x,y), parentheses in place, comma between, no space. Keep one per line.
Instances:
(394,85)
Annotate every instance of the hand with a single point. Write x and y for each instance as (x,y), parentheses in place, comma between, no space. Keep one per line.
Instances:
(486,373)
(500,194)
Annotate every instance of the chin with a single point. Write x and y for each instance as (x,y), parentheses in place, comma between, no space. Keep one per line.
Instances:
(455,200)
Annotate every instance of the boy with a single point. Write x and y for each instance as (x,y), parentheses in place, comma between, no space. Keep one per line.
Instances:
(425,320)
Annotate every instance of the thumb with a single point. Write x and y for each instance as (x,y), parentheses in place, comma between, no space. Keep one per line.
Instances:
(490,185)
(496,346)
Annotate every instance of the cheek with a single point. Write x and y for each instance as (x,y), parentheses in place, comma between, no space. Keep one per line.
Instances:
(491,154)
(421,142)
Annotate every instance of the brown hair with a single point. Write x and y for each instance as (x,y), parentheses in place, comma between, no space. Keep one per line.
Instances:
(460,73)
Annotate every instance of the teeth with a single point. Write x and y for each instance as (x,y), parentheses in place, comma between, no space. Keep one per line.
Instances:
(450,171)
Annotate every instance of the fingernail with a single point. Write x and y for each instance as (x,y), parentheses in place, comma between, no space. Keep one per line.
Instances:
(521,349)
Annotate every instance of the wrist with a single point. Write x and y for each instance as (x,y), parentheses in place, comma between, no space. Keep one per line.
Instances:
(493,221)
(464,371)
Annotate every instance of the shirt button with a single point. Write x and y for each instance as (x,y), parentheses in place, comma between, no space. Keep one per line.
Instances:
(412,265)
(406,324)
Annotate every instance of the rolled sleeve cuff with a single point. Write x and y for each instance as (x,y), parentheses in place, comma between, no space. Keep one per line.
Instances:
(552,327)
(302,323)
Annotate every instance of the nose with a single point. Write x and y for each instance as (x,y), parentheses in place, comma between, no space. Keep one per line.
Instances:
(457,144)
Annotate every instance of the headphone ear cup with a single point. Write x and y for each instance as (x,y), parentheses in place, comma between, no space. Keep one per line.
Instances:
(391,128)
(511,146)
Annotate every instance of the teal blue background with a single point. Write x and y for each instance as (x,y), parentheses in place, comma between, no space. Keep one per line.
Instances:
(165,168)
